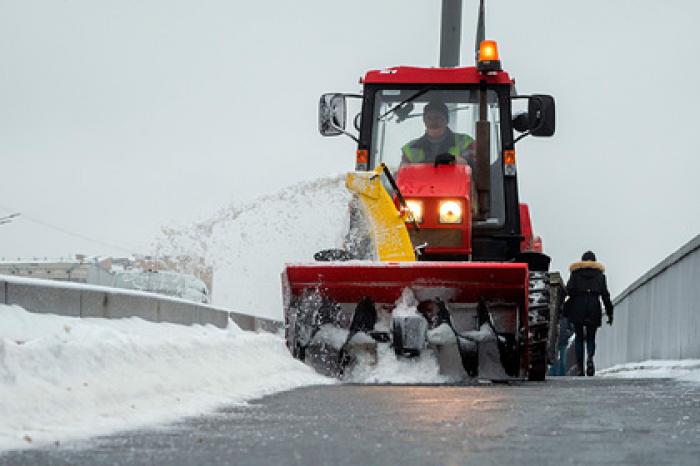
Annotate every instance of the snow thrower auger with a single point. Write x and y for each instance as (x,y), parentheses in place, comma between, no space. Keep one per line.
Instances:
(447,263)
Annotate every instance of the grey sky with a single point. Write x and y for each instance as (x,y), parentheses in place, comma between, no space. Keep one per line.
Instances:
(119,117)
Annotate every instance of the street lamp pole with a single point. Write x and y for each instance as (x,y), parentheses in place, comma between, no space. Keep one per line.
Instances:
(450,33)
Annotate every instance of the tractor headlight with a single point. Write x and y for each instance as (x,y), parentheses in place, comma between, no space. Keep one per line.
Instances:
(416,209)
(450,212)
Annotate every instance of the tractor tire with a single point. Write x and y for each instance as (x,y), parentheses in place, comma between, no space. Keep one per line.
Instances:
(538,325)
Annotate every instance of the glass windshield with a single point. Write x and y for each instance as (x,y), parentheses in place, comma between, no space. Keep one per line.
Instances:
(417,125)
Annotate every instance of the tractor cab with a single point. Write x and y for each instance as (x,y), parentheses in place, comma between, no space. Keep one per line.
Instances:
(448,137)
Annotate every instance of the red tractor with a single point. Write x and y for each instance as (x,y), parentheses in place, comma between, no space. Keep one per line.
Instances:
(440,256)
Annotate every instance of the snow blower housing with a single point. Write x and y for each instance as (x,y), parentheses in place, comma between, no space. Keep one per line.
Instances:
(452,243)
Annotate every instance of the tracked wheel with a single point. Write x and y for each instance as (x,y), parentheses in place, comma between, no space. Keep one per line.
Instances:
(538,320)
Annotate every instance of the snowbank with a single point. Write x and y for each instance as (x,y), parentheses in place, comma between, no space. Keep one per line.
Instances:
(686,370)
(64,378)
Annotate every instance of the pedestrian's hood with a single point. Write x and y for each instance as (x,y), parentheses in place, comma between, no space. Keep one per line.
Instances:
(587,267)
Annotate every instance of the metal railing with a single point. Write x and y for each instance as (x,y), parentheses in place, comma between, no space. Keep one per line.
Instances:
(658,316)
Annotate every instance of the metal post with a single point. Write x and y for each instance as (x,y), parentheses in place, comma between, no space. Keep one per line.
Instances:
(480,29)
(450,33)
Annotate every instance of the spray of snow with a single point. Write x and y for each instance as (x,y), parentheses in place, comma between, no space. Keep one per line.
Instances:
(247,245)
(685,370)
(64,378)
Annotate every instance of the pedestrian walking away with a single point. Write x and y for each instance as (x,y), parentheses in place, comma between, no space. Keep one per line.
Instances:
(586,288)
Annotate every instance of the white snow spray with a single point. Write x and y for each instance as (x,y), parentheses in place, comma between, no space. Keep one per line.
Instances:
(248,244)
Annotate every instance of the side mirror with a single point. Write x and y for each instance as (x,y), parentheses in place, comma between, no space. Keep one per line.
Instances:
(331,114)
(540,112)
(521,122)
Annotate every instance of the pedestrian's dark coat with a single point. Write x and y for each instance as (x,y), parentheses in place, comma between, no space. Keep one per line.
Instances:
(586,286)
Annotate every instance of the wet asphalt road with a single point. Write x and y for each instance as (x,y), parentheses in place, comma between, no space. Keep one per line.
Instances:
(562,421)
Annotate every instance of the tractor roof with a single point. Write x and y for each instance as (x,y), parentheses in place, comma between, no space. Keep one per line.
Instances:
(415,75)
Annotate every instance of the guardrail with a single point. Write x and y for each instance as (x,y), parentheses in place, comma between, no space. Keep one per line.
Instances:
(78,300)
(658,316)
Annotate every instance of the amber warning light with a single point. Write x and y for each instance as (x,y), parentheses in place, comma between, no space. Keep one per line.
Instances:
(488,57)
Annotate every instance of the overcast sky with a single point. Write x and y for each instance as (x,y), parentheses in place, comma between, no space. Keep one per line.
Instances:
(119,117)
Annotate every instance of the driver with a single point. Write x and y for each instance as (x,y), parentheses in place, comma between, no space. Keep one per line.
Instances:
(438,139)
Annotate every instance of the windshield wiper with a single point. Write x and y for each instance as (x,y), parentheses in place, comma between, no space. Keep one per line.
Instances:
(404,102)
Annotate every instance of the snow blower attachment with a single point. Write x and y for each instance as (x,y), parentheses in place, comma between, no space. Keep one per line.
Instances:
(447,265)
(337,309)
(334,310)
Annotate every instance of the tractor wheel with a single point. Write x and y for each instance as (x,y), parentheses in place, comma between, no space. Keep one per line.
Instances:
(538,320)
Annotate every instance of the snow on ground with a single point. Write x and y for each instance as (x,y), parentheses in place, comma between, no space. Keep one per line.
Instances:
(686,370)
(248,244)
(64,378)
(390,369)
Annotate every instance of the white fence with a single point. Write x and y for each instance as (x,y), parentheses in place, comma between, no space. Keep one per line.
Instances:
(658,316)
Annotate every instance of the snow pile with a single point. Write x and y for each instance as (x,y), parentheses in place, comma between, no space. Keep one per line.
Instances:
(64,378)
(686,370)
(391,369)
(248,245)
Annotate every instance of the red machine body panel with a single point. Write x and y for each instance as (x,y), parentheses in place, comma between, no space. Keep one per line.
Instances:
(426,180)
(530,242)
(525,228)
(431,185)
(537,244)
(383,282)
(417,75)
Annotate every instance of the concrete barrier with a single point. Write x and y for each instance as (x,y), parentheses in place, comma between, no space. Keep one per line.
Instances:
(25,295)
(658,316)
(78,300)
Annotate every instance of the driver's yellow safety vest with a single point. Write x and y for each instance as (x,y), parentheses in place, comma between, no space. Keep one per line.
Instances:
(417,154)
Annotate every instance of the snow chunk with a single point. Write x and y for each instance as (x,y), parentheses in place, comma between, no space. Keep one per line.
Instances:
(441,335)
(331,335)
(361,338)
(484,334)
(406,305)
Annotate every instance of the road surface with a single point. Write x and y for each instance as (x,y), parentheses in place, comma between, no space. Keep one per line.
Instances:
(562,421)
